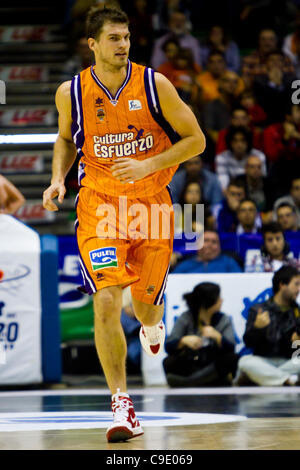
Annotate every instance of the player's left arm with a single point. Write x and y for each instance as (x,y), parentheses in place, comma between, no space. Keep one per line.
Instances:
(183,121)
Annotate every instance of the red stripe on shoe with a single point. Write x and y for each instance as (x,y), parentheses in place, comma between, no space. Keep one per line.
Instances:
(155,348)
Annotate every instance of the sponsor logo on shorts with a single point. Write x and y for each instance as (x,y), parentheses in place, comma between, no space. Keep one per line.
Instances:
(150,290)
(103,258)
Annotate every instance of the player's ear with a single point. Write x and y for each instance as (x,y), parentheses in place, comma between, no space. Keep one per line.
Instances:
(91,43)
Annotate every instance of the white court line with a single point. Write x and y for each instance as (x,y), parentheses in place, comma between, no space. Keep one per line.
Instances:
(159,391)
(12,422)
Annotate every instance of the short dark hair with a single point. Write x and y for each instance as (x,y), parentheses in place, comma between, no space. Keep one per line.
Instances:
(248,200)
(97,17)
(273,227)
(238,182)
(275,52)
(283,276)
(170,40)
(204,295)
(286,204)
(232,131)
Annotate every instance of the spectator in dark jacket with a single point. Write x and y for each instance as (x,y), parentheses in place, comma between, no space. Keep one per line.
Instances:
(226,212)
(272,328)
(273,89)
(201,344)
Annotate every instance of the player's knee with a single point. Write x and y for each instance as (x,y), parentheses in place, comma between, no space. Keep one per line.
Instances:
(106,303)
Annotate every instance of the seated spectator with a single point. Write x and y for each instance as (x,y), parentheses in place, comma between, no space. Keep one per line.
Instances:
(282,139)
(219,40)
(190,197)
(292,198)
(10,197)
(267,43)
(273,88)
(209,79)
(178,27)
(80,60)
(226,212)
(255,111)
(170,47)
(217,113)
(239,118)
(140,20)
(274,253)
(258,187)
(271,329)
(291,47)
(209,259)
(286,215)
(193,170)
(231,163)
(201,344)
(249,220)
(184,75)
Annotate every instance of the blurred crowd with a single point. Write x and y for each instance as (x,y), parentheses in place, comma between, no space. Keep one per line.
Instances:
(235,63)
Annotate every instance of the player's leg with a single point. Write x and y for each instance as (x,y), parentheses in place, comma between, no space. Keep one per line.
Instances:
(109,337)
(111,348)
(152,332)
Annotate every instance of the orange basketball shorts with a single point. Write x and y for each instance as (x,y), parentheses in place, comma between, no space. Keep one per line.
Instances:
(124,241)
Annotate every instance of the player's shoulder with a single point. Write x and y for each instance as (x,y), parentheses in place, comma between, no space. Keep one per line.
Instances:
(64,89)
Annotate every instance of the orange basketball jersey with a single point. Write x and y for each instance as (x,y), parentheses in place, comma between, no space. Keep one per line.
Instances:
(107,128)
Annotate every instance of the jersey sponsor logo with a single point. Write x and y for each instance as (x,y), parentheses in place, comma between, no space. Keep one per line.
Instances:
(134,105)
(103,258)
(124,144)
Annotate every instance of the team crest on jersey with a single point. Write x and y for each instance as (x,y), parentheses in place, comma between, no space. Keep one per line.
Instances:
(101,114)
(104,258)
(134,105)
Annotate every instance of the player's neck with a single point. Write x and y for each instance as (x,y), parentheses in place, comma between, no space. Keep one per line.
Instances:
(111,77)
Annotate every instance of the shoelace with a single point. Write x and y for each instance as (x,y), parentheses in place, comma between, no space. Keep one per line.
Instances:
(120,408)
(152,333)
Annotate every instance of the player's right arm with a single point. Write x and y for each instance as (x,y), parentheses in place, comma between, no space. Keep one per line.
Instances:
(64,149)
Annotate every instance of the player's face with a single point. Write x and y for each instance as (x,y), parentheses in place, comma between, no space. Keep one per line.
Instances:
(112,46)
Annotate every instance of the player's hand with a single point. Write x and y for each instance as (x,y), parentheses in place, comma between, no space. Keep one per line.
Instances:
(56,189)
(262,319)
(191,341)
(127,170)
(10,197)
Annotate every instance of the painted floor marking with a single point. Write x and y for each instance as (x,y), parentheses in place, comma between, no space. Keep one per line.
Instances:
(35,421)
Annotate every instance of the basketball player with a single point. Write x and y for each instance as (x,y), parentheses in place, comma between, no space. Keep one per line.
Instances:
(131,130)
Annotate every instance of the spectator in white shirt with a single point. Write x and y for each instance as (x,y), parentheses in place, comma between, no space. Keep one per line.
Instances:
(231,163)
(274,253)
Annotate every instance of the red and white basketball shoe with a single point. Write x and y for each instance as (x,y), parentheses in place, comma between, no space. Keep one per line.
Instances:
(152,338)
(125,425)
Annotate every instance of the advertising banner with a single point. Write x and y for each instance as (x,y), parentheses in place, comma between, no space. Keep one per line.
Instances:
(20,303)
